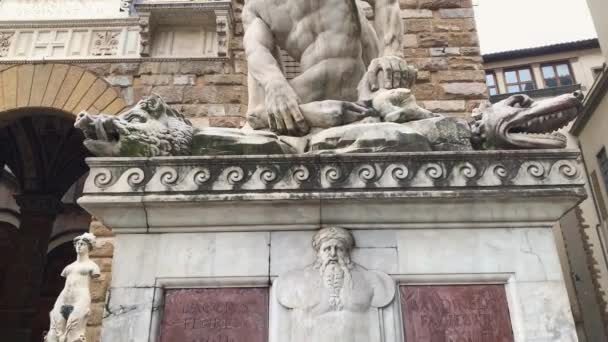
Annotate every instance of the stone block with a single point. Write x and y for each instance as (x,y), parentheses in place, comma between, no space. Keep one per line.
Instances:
(104,248)
(146,68)
(461,75)
(427,91)
(120,80)
(141,91)
(99,286)
(93,333)
(228,122)
(189,255)
(467,90)
(423,76)
(417,25)
(456,13)
(99,69)
(184,79)
(463,39)
(431,64)
(471,51)
(169,67)
(99,230)
(465,63)
(444,51)
(198,68)
(220,79)
(528,253)
(105,264)
(437,4)
(170,94)
(408,3)
(415,53)
(432,40)
(444,106)
(215,94)
(410,41)
(156,79)
(124,68)
(416,13)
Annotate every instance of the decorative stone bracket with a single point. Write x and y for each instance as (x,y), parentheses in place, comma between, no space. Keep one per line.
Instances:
(152,13)
(407,189)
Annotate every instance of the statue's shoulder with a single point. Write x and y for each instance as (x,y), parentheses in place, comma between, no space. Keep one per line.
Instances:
(382,284)
(295,288)
(94,269)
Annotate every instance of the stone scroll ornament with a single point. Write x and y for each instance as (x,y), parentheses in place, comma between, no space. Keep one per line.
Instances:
(334,299)
(71,310)
(354,94)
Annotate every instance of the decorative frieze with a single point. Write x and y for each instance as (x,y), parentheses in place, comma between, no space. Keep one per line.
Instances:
(310,173)
(5,42)
(69,43)
(105,43)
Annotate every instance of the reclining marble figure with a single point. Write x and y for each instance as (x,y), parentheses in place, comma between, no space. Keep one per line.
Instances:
(334,299)
(71,310)
(152,128)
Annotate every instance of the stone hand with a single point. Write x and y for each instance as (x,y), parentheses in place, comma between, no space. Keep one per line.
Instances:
(390,72)
(284,115)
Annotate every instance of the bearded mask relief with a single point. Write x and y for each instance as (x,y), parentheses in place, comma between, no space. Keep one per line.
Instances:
(334,298)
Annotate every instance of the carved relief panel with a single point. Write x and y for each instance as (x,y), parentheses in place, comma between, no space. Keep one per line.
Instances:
(455,313)
(67,43)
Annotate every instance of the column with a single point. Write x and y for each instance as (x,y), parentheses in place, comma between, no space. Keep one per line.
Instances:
(21,287)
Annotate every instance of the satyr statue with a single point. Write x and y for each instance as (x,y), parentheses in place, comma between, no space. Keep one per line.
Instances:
(71,310)
(334,299)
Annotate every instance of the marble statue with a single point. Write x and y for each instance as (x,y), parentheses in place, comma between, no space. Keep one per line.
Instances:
(151,128)
(519,122)
(71,310)
(334,299)
(345,60)
(353,95)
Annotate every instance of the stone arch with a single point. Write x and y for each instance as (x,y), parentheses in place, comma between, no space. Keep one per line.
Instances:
(68,88)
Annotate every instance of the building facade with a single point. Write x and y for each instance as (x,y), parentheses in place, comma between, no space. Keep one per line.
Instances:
(58,57)
(548,71)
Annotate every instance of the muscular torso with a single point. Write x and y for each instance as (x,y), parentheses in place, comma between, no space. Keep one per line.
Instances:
(325,36)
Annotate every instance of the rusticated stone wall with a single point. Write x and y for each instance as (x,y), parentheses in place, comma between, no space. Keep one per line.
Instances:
(441,41)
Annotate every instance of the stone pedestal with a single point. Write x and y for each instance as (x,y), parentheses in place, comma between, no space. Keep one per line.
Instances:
(449,219)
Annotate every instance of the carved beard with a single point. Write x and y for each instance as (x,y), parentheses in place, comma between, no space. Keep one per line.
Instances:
(335,277)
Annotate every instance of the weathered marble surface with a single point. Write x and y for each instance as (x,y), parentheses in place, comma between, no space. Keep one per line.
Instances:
(183,194)
(71,310)
(151,128)
(421,218)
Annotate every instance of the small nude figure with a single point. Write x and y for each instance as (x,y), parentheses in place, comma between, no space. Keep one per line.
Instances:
(344,58)
(71,311)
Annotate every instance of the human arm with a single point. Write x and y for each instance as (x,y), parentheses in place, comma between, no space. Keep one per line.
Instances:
(281,101)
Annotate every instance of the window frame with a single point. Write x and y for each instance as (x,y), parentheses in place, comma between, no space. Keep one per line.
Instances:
(519,83)
(493,74)
(554,66)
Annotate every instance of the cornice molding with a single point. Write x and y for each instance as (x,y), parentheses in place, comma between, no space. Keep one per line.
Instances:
(134,21)
(117,60)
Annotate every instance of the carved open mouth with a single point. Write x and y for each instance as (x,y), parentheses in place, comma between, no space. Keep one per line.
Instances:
(101,133)
(537,126)
(98,128)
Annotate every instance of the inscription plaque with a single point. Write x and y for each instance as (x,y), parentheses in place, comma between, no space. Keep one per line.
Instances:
(456,313)
(215,315)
